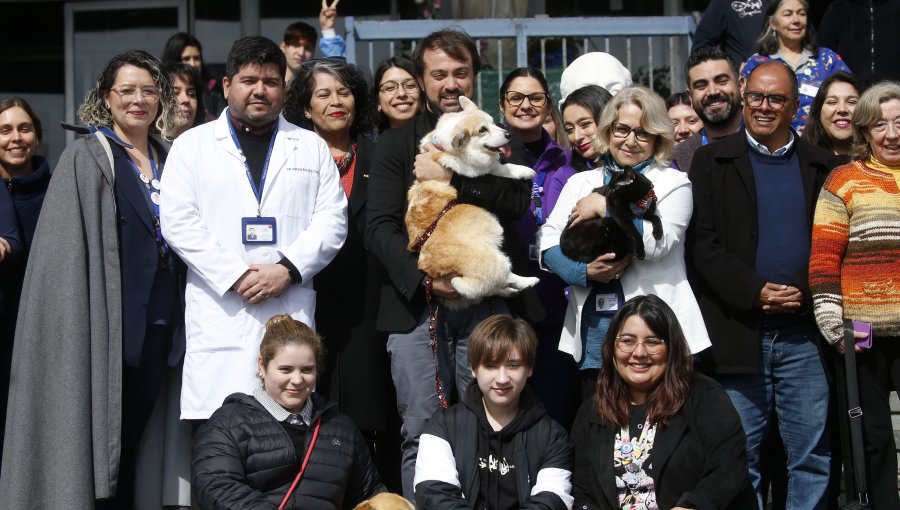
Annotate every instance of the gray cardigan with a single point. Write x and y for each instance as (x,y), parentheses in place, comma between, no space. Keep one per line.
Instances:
(63,425)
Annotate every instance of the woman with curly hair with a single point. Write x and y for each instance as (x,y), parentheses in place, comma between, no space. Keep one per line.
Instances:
(101,304)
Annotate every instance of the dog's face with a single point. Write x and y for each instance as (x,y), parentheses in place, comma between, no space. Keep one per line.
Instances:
(471,136)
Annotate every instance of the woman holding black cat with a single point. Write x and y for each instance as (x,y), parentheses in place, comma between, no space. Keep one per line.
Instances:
(634,131)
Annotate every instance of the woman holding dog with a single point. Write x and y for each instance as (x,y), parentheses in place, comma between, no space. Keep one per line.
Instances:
(634,131)
(250,451)
(524,102)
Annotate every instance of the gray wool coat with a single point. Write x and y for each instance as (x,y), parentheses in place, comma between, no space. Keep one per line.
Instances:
(64,417)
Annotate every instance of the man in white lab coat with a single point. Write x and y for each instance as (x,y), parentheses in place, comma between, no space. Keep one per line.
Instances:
(254,206)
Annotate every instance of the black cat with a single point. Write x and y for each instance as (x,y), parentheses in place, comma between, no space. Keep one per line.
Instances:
(589,239)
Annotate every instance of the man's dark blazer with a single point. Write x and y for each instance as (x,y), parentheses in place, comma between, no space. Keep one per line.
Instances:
(402,295)
(722,242)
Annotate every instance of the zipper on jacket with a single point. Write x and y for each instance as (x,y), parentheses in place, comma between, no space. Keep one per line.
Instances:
(872,32)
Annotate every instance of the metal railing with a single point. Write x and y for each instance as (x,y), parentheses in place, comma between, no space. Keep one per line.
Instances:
(645,45)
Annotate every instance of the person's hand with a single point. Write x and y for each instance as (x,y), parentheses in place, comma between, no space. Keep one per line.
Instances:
(858,335)
(328,15)
(4,248)
(602,269)
(427,169)
(443,287)
(590,206)
(263,281)
(778,298)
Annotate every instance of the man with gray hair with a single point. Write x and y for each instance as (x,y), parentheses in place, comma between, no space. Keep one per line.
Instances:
(749,243)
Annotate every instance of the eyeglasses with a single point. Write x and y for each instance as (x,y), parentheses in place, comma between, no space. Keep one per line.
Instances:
(131,93)
(410,85)
(536,99)
(776,101)
(620,130)
(628,344)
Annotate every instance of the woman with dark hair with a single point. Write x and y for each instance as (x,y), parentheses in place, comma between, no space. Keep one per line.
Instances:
(249,452)
(184,48)
(829,126)
(788,36)
(580,114)
(657,434)
(185,85)
(396,91)
(524,100)
(330,97)
(101,303)
(24,177)
(685,120)
(853,266)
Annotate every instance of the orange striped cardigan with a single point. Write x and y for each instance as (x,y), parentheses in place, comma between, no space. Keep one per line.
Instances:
(854,267)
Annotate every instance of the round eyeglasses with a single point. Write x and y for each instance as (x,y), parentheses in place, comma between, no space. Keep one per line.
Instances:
(410,86)
(628,344)
(776,101)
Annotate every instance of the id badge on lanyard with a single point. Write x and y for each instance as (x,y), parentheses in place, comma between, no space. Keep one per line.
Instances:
(257,229)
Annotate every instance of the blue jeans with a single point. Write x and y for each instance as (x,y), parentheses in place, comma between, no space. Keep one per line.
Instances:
(413,370)
(791,381)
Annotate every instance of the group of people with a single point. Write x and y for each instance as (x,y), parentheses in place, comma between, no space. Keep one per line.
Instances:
(244,240)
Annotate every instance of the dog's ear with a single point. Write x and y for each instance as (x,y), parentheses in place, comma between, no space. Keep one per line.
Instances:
(467,104)
(459,138)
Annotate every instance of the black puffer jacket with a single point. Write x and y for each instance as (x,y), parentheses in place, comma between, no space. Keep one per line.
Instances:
(244,459)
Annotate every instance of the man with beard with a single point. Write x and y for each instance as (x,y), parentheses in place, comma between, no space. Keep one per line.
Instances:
(427,374)
(254,206)
(713,85)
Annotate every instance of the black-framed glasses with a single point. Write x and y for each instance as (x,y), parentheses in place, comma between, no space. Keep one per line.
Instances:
(390,87)
(628,344)
(536,98)
(776,101)
(620,130)
(131,93)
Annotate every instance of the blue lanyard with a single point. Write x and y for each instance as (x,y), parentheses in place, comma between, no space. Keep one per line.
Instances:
(262,180)
(705,139)
(537,191)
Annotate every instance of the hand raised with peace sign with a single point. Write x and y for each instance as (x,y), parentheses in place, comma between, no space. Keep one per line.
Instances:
(328,14)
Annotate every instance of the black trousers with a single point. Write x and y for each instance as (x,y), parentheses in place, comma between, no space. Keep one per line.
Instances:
(879,374)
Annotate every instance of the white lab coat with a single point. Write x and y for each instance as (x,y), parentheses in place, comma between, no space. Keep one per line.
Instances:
(205,193)
(662,272)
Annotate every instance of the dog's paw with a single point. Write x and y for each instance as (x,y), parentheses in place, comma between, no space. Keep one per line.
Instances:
(520,171)
(520,283)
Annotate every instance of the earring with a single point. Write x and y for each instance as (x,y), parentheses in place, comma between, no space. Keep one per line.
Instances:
(308,116)
(379,108)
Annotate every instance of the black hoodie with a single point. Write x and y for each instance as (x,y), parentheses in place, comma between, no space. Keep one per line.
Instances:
(864,34)
(493,470)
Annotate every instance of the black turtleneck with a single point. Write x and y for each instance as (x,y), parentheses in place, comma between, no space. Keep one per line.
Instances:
(255,146)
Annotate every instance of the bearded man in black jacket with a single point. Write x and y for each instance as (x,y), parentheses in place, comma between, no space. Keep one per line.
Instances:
(446,65)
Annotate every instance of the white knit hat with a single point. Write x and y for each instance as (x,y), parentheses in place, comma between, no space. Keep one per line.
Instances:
(595,68)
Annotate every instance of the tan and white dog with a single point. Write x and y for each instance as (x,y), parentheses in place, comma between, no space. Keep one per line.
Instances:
(466,240)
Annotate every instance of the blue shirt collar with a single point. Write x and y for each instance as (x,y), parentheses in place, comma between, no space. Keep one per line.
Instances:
(765,150)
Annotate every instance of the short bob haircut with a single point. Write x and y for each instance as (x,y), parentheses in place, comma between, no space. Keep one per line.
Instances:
(767,43)
(815,132)
(299,31)
(613,396)
(10,102)
(284,330)
(189,75)
(592,98)
(299,96)
(94,111)
(495,337)
(868,112)
(400,62)
(256,50)
(654,120)
(175,47)
(457,44)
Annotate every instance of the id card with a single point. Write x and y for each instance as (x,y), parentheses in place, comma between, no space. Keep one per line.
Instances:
(259,230)
(533,252)
(607,302)
(808,89)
